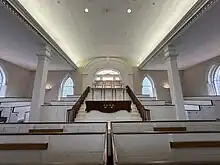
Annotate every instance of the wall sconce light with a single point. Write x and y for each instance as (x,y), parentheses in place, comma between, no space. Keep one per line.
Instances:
(166,85)
(48,87)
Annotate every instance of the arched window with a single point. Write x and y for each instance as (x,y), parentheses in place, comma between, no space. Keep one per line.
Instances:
(67,87)
(214,80)
(148,87)
(107,75)
(2,82)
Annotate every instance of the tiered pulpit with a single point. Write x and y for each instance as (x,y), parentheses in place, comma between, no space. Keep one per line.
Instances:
(108,101)
(108,90)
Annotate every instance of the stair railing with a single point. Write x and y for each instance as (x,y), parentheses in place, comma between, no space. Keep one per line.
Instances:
(144,113)
(71,113)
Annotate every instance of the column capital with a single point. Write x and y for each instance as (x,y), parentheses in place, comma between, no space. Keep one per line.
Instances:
(170,51)
(45,52)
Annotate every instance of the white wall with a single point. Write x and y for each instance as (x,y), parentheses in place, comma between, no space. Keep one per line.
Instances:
(85,76)
(159,77)
(21,83)
(18,81)
(195,78)
(55,79)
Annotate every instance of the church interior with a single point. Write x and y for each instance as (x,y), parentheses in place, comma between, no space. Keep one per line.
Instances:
(109,82)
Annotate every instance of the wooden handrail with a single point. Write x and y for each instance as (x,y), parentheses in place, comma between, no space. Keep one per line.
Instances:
(145,113)
(71,113)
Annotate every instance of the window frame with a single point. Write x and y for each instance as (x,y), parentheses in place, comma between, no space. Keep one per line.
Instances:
(151,85)
(62,87)
(213,78)
(3,84)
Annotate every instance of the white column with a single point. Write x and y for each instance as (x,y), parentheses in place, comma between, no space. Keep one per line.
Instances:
(174,81)
(38,93)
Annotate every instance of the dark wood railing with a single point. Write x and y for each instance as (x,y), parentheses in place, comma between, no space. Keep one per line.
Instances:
(71,113)
(144,113)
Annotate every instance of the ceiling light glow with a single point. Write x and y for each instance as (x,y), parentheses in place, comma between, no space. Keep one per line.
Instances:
(129,10)
(86,10)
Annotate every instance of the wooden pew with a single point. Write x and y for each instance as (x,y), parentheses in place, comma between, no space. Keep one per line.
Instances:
(169,129)
(195,144)
(41,131)
(24,146)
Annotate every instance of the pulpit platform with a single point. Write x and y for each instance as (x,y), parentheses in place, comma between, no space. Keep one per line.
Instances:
(108,106)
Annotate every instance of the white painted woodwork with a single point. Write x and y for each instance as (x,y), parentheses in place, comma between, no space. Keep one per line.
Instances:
(67,128)
(190,107)
(198,102)
(13,99)
(203,98)
(54,113)
(162,112)
(152,148)
(74,149)
(149,126)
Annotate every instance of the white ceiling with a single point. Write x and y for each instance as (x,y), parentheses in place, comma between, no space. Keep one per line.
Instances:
(19,44)
(107,30)
(199,43)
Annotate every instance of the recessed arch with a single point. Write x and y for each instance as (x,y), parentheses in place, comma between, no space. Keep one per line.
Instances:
(67,87)
(95,65)
(148,88)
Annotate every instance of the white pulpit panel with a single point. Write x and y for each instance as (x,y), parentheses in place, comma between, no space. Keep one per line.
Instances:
(108,94)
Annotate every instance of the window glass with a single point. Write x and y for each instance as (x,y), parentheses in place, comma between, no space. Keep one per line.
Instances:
(2,83)
(147,87)
(67,87)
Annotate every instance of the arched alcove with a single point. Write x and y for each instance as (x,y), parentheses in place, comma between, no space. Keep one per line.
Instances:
(115,64)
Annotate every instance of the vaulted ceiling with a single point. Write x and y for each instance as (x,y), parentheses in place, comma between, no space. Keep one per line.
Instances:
(107,29)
